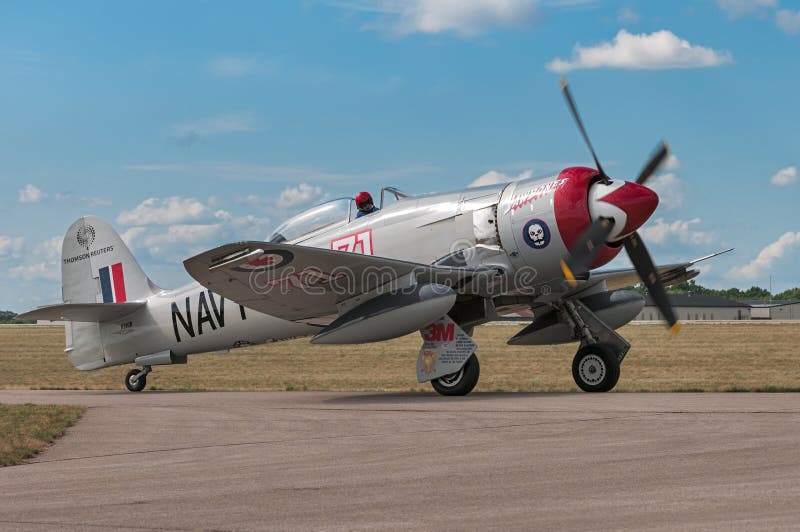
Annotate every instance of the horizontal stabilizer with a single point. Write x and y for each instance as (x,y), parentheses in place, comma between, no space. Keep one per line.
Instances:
(92,312)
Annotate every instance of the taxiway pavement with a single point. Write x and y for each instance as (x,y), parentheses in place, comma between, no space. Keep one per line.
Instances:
(319,460)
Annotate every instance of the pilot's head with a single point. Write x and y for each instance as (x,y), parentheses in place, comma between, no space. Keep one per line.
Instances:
(364,202)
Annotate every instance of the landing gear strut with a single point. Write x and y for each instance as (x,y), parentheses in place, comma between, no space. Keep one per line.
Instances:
(136,379)
(595,367)
(462,381)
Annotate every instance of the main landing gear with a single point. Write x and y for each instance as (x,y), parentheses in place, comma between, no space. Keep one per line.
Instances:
(136,379)
(596,366)
(462,381)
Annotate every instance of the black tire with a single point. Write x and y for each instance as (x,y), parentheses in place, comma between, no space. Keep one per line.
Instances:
(595,368)
(140,383)
(462,382)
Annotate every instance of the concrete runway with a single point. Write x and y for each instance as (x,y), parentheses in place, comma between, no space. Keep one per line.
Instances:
(303,460)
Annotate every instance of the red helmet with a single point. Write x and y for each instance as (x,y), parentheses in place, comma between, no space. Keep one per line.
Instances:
(363,198)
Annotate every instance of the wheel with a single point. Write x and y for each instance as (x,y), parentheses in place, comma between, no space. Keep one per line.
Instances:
(140,383)
(595,368)
(461,382)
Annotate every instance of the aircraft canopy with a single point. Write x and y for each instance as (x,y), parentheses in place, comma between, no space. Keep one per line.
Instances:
(325,216)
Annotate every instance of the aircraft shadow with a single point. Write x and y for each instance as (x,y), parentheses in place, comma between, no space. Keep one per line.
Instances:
(428,397)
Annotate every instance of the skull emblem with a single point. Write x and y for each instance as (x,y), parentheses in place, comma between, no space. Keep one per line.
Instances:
(536,234)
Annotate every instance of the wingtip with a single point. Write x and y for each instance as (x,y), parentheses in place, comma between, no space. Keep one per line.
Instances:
(570,277)
(563,82)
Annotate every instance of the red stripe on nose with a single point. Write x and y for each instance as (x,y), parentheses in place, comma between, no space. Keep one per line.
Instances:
(637,201)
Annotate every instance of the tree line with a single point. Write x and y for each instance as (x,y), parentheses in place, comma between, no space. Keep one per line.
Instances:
(754,293)
(6,316)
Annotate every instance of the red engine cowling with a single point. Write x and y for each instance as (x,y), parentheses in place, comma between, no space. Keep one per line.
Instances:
(542,220)
(571,209)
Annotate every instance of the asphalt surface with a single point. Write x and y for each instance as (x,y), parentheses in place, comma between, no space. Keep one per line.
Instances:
(303,460)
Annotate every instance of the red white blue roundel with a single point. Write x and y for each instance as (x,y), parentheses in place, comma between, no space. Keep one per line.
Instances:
(536,234)
(269,260)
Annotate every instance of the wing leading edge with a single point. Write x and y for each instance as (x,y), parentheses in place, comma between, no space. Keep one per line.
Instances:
(670,274)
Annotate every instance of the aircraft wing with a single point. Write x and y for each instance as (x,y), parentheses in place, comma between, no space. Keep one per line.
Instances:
(303,283)
(83,311)
(670,274)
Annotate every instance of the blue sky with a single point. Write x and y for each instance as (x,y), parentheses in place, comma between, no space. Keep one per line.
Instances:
(191,124)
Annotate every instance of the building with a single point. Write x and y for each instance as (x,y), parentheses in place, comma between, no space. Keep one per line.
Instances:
(691,307)
(775,310)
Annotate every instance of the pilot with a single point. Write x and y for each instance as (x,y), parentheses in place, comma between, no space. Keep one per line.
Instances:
(365,204)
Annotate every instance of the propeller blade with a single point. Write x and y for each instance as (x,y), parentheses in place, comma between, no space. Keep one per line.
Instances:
(649,276)
(587,248)
(574,110)
(657,158)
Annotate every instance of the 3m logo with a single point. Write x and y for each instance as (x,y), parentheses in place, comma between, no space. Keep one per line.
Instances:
(440,332)
(360,242)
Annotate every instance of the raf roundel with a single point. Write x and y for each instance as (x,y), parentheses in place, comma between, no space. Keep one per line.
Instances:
(270,260)
(536,234)
(85,236)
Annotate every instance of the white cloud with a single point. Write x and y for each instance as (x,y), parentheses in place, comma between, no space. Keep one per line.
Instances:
(232,66)
(467,19)
(11,245)
(682,231)
(737,8)
(493,177)
(30,194)
(672,162)
(658,50)
(48,254)
(784,177)
(165,211)
(180,241)
(252,200)
(131,236)
(669,190)
(249,227)
(190,132)
(50,249)
(788,21)
(195,234)
(627,15)
(35,272)
(302,193)
(767,256)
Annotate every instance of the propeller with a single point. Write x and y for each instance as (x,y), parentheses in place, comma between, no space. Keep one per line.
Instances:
(574,110)
(649,275)
(585,251)
(594,238)
(657,158)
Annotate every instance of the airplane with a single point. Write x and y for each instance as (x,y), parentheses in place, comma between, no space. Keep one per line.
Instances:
(440,264)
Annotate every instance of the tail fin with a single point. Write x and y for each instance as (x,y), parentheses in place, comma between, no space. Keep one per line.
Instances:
(97,267)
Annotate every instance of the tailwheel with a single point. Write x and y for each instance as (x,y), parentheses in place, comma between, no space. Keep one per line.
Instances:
(136,379)
(462,381)
(595,368)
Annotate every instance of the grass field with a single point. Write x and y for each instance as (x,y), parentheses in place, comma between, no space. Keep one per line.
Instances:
(27,429)
(747,356)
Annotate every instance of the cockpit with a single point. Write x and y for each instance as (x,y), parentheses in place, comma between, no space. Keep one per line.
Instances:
(327,216)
